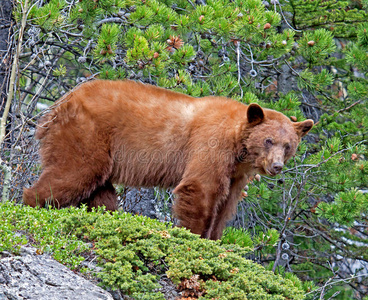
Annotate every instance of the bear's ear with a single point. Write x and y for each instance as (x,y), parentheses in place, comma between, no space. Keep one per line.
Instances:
(302,128)
(255,114)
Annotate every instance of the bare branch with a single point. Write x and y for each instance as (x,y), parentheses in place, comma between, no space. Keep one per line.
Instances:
(13,74)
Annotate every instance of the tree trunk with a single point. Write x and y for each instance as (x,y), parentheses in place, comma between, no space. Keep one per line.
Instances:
(5,48)
(6,25)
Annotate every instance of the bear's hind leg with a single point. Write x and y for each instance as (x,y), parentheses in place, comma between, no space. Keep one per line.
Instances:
(32,198)
(61,189)
(47,191)
(103,196)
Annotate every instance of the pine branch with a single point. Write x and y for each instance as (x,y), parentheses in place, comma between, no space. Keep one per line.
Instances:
(350,106)
(340,22)
(333,155)
(111,20)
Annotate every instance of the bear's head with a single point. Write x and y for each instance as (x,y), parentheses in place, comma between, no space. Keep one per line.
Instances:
(273,139)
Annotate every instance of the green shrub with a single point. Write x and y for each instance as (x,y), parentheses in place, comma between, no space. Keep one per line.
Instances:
(134,251)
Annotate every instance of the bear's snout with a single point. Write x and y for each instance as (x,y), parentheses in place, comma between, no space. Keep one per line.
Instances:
(276,167)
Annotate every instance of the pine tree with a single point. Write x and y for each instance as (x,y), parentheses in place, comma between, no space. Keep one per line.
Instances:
(306,58)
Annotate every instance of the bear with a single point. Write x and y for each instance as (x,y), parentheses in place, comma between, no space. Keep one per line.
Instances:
(124,132)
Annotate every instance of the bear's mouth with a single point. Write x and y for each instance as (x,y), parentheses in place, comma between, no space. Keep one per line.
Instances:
(263,169)
(270,172)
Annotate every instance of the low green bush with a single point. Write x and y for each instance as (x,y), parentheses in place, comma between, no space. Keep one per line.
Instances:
(134,252)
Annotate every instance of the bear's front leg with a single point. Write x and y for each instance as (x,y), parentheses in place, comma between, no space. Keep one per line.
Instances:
(197,204)
(205,184)
(192,207)
(104,195)
(227,209)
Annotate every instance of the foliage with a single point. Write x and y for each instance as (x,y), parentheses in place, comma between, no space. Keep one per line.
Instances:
(41,228)
(243,238)
(306,58)
(133,251)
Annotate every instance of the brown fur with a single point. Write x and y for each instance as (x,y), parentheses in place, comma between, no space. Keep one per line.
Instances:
(125,132)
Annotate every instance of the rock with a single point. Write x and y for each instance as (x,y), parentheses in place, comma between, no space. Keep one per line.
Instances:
(147,202)
(39,277)
(139,201)
(168,288)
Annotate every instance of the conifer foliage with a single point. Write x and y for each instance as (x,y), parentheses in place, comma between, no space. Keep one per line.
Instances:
(305,58)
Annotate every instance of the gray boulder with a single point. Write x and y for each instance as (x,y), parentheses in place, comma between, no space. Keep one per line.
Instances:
(39,277)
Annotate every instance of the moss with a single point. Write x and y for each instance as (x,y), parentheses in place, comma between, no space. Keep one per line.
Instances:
(135,251)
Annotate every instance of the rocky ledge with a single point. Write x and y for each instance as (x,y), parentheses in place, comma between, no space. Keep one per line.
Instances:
(39,277)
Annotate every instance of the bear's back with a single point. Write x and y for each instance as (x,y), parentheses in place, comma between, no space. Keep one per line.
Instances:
(135,105)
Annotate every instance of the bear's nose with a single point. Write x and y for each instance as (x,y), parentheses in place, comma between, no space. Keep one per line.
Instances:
(277,167)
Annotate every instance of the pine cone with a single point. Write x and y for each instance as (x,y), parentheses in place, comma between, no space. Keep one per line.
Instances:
(175,42)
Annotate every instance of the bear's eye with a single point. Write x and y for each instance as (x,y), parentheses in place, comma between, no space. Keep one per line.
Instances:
(287,147)
(268,142)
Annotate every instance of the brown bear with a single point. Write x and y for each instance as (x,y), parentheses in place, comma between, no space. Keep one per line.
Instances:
(125,132)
